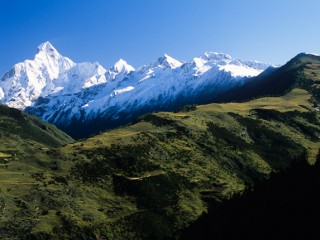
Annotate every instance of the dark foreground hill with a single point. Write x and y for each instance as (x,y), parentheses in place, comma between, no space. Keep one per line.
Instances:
(154,178)
(284,207)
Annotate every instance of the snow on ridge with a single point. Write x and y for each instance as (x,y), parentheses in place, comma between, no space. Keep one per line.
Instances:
(1,93)
(240,70)
(216,57)
(315,54)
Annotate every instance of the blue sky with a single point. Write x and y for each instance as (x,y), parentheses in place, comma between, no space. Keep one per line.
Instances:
(140,31)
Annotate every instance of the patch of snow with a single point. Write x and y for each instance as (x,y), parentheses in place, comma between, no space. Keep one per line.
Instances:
(1,93)
(85,106)
(240,70)
(119,91)
(315,54)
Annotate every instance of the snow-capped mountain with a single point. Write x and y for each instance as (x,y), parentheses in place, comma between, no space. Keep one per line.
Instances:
(47,74)
(86,95)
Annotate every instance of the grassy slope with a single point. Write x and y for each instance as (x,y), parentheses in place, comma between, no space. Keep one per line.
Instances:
(22,140)
(151,179)
(17,127)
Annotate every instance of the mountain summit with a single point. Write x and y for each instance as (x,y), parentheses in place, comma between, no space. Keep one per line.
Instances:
(167,61)
(48,48)
(31,79)
(122,67)
(87,95)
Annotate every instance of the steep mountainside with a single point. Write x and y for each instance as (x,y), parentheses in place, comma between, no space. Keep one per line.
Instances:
(152,179)
(86,96)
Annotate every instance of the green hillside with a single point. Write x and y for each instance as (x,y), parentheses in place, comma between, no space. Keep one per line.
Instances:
(22,140)
(152,179)
(22,135)
(17,127)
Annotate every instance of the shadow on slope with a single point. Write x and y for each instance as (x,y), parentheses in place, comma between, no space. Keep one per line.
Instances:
(285,207)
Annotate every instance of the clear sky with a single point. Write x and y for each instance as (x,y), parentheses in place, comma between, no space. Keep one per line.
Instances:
(140,31)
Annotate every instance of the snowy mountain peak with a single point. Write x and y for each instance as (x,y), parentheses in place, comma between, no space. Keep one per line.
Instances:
(122,66)
(49,57)
(215,57)
(167,61)
(47,48)
(49,73)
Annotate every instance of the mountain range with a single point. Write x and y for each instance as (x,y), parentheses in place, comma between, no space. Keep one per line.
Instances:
(87,96)
(154,178)
(248,166)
